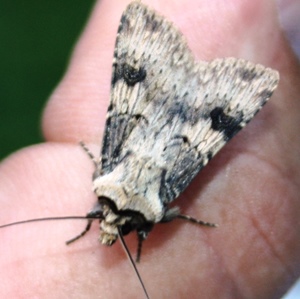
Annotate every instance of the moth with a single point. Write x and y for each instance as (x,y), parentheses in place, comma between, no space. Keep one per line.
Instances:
(168,116)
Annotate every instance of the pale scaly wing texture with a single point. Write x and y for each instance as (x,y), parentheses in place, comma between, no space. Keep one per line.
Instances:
(171,110)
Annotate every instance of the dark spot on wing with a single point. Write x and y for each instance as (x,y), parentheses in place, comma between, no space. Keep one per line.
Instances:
(183,111)
(178,109)
(179,139)
(151,23)
(185,139)
(116,75)
(247,75)
(209,155)
(132,75)
(225,123)
(124,24)
(110,107)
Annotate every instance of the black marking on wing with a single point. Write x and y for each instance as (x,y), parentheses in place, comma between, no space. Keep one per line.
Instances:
(124,23)
(132,75)
(129,74)
(225,123)
(152,24)
(184,111)
(185,169)
(247,74)
(117,127)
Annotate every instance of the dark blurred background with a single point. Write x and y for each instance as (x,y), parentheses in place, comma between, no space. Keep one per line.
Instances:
(36,40)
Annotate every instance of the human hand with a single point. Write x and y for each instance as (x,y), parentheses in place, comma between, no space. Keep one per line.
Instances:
(250,189)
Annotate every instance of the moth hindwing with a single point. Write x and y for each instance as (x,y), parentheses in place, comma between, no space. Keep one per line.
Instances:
(168,116)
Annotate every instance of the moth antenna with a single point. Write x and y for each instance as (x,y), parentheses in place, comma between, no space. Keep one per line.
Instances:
(194,220)
(48,219)
(132,262)
(89,153)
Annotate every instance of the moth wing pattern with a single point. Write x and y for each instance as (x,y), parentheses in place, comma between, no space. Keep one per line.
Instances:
(146,46)
(171,110)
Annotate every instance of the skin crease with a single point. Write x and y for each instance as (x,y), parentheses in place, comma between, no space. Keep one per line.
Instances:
(251,189)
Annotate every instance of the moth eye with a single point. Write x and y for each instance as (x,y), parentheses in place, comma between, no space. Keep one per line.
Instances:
(132,75)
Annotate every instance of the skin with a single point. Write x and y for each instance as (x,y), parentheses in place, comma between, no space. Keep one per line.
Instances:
(251,188)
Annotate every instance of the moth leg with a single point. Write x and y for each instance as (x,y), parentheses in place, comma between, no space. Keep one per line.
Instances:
(174,212)
(87,228)
(142,236)
(139,248)
(193,220)
(89,153)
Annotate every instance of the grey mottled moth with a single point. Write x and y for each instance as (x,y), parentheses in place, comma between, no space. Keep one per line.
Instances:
(168,116)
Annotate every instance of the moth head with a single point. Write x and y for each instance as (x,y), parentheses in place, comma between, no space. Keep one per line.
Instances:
(112,220)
